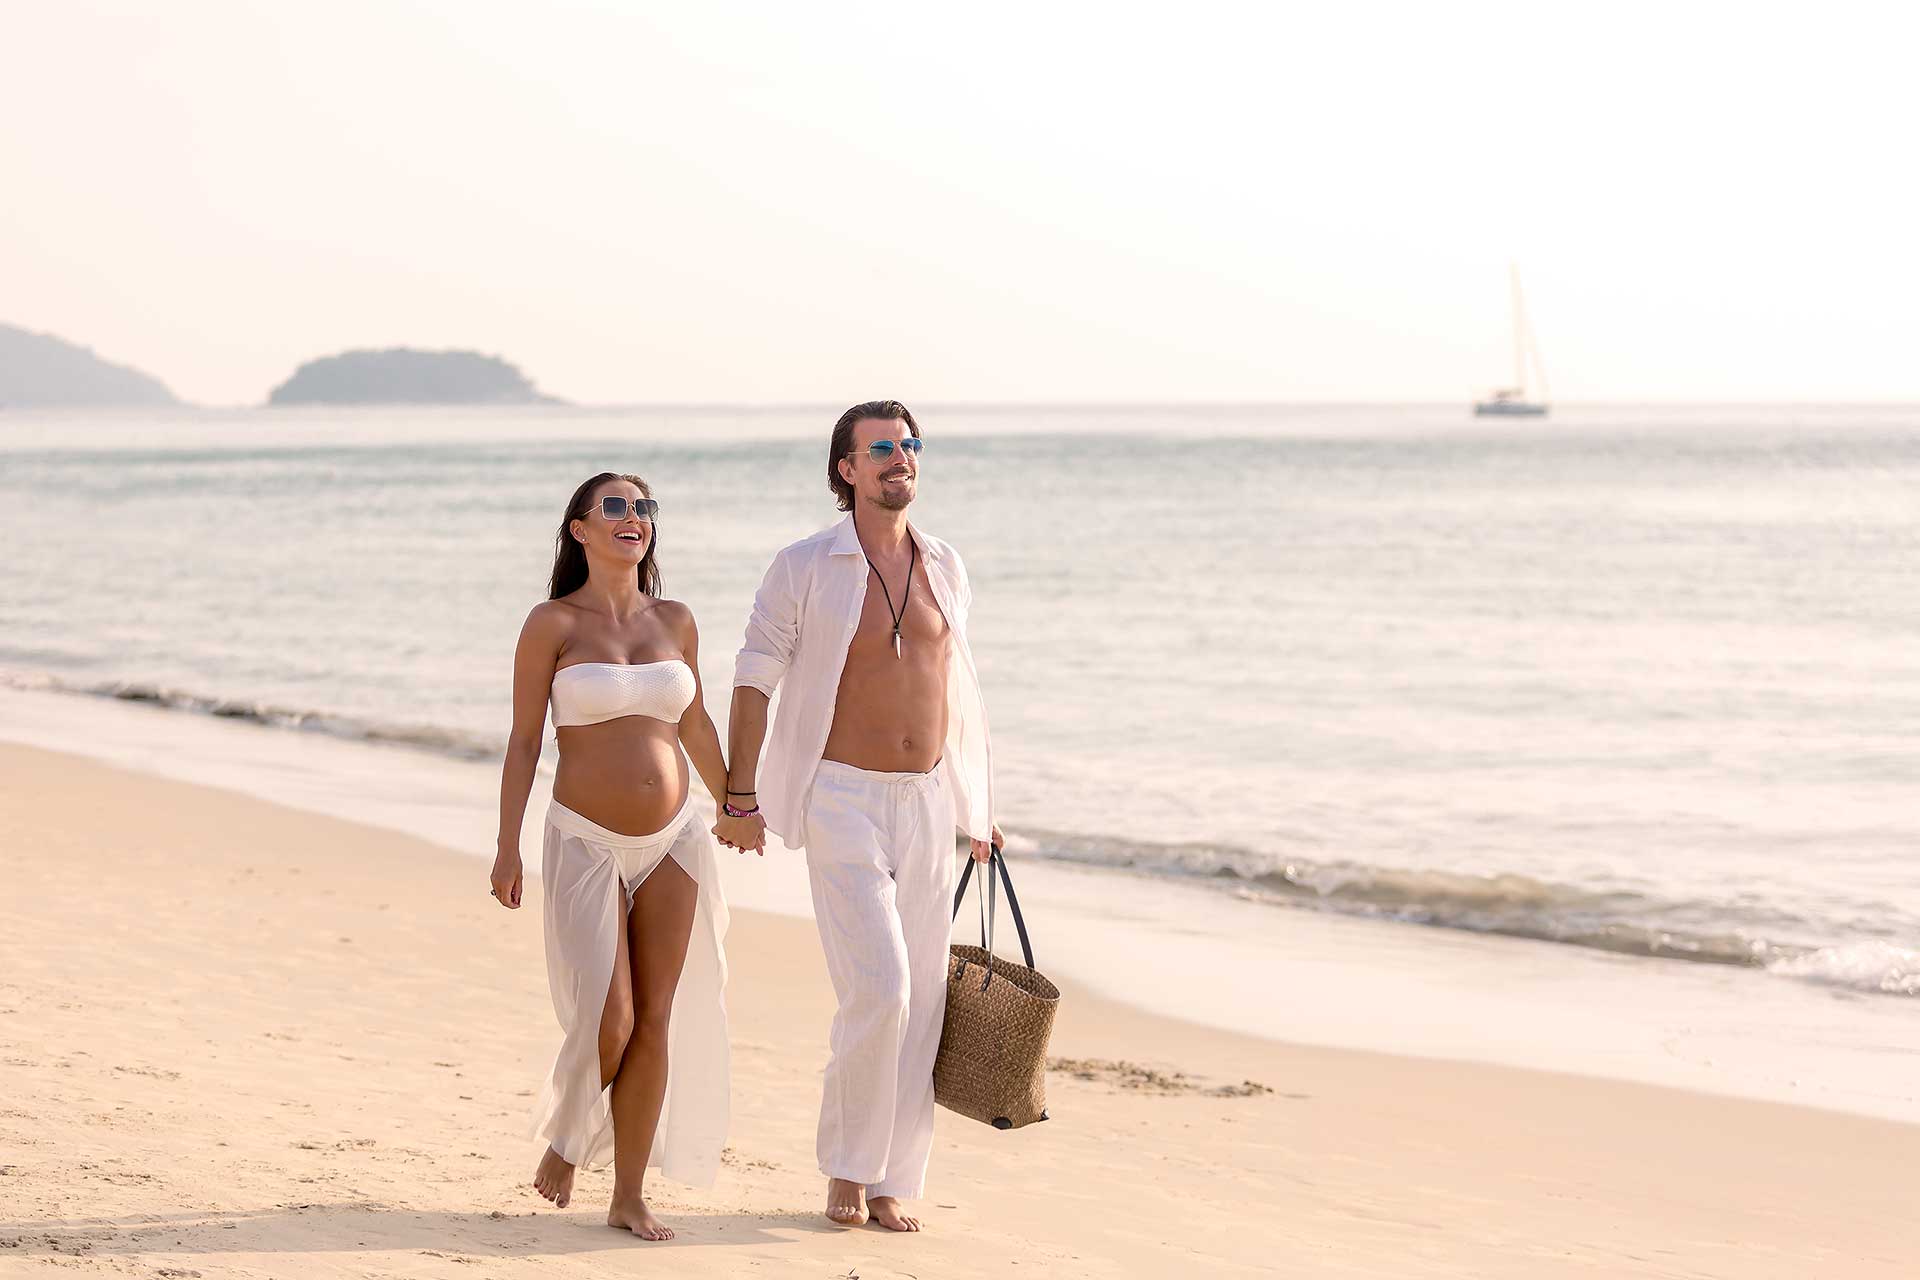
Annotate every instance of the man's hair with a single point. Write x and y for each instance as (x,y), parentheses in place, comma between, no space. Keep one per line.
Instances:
(842,442)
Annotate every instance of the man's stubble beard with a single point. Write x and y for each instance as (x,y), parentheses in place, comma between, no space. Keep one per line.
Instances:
(887,502)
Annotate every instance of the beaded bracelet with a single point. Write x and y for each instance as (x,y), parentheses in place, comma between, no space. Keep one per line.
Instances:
(726,807)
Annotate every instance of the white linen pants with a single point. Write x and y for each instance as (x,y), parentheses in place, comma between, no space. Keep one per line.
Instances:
(880,859)
(589,876)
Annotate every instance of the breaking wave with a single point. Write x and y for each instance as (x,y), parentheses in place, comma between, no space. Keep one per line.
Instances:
(1622,921)
(447,742)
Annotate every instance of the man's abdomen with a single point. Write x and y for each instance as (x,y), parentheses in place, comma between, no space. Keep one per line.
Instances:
(890,714)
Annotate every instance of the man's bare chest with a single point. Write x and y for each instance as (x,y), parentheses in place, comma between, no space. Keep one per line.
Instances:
(920,621)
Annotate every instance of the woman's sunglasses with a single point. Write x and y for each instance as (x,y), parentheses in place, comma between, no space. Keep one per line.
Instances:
(615,507)
(881,450)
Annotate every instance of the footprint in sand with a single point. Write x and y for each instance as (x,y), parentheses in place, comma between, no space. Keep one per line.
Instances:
(1145,1079)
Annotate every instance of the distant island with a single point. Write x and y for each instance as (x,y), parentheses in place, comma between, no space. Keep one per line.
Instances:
(401,375)
(38,369)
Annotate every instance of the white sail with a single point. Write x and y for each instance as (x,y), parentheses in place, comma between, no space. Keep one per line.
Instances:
(1513,401)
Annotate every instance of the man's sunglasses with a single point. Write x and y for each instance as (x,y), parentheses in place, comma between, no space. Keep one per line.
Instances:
(615,507)
(881,450)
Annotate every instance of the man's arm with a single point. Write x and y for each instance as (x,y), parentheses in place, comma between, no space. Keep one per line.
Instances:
(773,630)
(982,850)
(746,732)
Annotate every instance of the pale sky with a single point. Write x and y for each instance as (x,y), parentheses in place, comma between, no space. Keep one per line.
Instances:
(824,202)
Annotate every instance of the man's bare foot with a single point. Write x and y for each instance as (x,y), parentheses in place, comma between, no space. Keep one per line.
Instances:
(846,1203)
(554,1178)
(633,1214)
(886,1212)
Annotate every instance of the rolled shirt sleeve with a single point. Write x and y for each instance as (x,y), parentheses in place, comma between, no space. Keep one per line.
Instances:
(803,620)
(969,748)
(772,630)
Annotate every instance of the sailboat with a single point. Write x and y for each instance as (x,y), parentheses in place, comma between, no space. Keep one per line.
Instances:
(1512,401)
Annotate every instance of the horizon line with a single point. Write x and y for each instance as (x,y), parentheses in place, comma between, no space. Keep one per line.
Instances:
(564,405)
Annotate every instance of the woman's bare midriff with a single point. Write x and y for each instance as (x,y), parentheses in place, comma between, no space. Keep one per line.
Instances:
(629,775)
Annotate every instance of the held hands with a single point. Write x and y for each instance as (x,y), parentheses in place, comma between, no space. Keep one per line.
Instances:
(742,833)
(506,878)
(983,850)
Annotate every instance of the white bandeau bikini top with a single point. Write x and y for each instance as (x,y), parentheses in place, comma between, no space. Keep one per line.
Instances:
(589,692)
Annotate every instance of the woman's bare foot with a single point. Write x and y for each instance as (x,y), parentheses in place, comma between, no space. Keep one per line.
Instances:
(633,1214)
(554,1178)
(886,1212)
(845,1203)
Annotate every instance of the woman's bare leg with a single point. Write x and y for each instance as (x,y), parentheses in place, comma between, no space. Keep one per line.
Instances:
(658,929)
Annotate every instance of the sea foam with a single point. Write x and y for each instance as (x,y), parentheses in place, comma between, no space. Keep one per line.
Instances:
(1875,966)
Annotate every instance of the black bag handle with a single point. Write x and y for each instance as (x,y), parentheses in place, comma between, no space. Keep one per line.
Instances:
(988,895)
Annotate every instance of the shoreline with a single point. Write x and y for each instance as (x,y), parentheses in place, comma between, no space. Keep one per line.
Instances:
(240,1039)
(1156,943)
(1488,903)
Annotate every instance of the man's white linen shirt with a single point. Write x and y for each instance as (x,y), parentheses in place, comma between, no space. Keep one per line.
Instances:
(803,621)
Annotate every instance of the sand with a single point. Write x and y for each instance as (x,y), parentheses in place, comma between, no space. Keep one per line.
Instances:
(240,1040)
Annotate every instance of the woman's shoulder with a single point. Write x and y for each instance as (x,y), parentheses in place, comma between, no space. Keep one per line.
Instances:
(674,613)
(550,618)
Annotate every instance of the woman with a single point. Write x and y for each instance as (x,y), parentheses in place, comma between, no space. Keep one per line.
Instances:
(633,911)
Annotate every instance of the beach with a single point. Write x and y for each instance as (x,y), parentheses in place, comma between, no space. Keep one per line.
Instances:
(242,1040)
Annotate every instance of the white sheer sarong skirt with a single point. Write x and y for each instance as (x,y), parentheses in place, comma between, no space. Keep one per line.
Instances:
(589,875)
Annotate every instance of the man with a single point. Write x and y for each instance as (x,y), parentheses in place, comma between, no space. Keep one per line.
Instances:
(878,752)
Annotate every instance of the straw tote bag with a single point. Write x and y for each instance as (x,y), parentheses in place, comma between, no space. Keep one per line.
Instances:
(992,1064)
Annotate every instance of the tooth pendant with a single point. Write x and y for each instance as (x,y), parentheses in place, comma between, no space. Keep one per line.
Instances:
(896,643)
